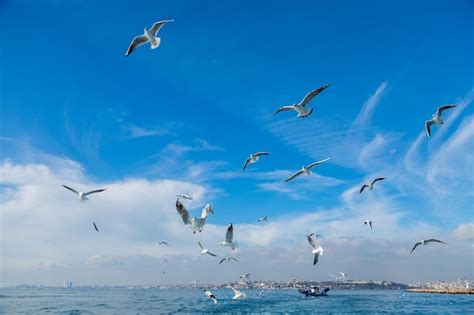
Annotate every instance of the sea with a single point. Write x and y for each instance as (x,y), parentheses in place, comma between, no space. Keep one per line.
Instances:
(193,301)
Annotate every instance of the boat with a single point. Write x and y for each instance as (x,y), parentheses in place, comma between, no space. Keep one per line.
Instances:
(314,291)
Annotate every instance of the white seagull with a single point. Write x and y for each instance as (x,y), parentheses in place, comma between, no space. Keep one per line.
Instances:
(227,259)
(369,223)
(424,242)
(317,250)
(184,196)
(263,219)
(205,251)
(254,158)
(306,170)
(210,295)
(342,275)
(160,243)
(149,35)
(300,107)
(437,118)
(228,238)
(83,195)
(196,224)
(245,276)
(370,185)
(238,295)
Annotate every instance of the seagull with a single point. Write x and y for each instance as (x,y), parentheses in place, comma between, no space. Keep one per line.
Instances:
(245,276)
(306,170)
(184,196)
(369,223)
(343,274)
(238,295)
(83,195)
(315,235)
(437,118)
(317,250)
(205,251)
(149,35)
(424,242)
(370,185)
(300,107)
(228,238)
(95,227)
(253,158)
(196,224)
(210,295)
(160,243)
(165,260)
(264,219)
(227,259)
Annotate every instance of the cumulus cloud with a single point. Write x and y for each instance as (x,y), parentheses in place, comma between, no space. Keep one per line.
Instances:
(464,232)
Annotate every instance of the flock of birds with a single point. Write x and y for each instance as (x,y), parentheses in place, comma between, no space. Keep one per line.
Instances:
(197,223)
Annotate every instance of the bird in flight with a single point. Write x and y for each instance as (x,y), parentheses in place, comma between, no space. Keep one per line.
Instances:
(317,250)
(306,170)
(210,295)
(238,295)
(300,107)
(227,259)
(95,227)
(83,195)
(371,184)
(205,251)
(149,35)
(425,242)
(229,235)
(196,224)
(253,158)
(436,118)
(263,219)
(315,235)
(369,223)
(245,276)
(160,243)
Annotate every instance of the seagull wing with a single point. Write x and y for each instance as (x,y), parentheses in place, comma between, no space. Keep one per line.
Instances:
(247,161)
(262,153)
(431,240)
(158,25)
(416,245)
(182,212)
(229,234)
(235,291)
(442,108)
(71,189)
(428,124)
(232,258)
(95,227)
(377,179)
(94,192)
(222,260)
(312,94)
(163,242)
(209,253)
(284,108)
(200,245)
(317,163)
(293,176)
(316,258)
(362,188)
(206,210)
(370,224)
(137,41)
(310,241)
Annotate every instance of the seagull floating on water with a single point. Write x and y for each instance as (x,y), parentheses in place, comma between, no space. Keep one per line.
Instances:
(228,238)
(317,250)
(437,118)
(210,295)
(263,219)
(369,223)
(370,185)
(83,195)
(95,227)
(425,242)
(205,251)
(196,224)
(238,295)
(227,259)
(184,196)
(300,107)
(253,158)
(149,35)
(306,170)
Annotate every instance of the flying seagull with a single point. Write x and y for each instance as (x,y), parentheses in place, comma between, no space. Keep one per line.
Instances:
(228,238)
(149,35)
(227,259)
(238,295)
(369,223)
(245,276)
(83,195)
(370,185)
(160,243)
(306,170)
(317,250)
(437,118)
(205,251)
(95,227)
(196,224)
(341,275)
(263,219)
(210,295)
(253,158)
(300,107)
(184,196)
(424,242)
(315,235)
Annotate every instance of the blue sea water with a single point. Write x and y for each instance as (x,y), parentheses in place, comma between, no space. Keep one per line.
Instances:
(156,301)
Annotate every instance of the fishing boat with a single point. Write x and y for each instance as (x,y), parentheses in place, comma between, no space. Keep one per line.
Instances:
(314,291)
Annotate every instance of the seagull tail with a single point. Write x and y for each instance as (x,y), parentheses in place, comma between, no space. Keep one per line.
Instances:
(156,43)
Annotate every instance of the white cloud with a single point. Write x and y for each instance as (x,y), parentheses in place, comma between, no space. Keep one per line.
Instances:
(369,107)
(140,132)
(464,232)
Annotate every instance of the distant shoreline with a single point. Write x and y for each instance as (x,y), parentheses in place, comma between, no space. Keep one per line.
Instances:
(442,291)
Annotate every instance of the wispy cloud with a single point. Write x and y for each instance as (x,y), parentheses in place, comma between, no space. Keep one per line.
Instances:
(135,131)
(363,118)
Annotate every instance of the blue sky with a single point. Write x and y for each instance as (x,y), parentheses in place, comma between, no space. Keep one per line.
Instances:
(193,109)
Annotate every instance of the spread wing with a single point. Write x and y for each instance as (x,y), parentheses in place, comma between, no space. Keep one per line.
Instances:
(362,188)
(206,210)
(310,241)
(442,108)
(158,25)
(209,253)
(428,124)
(247,161)
(95,227)
(316,258)
(293,176)
(416,245)
(232,258)
(317,163)
(182,212)
(431,240)
(71,189)
(200,245)
(220,262)
(309,97)
(262,153)
(229,234)
(377,179)
(94,192)
(137,41)
(284,108)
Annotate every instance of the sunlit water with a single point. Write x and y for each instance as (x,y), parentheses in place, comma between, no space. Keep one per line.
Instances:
(154,301)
